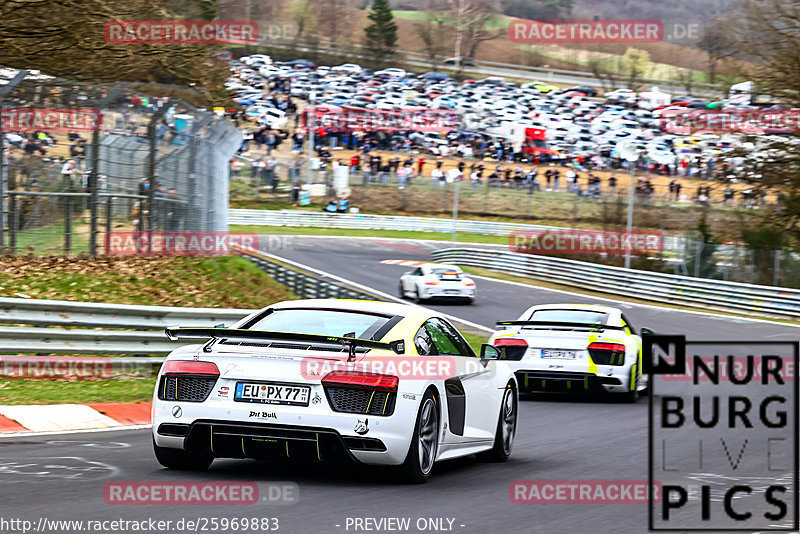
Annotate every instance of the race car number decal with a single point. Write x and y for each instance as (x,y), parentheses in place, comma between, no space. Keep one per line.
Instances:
(266,393)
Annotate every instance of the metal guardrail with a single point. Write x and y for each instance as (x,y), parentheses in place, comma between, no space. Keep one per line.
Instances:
(316,219)
(100,315)
(659,287)
(140,328)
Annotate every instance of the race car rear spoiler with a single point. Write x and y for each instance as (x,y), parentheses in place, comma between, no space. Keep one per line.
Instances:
(351,343)
(562,324)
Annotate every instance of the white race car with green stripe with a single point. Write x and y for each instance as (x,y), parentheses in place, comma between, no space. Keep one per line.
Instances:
(573,347)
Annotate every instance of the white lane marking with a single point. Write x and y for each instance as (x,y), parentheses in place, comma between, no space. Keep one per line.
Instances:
(32,434)
(57,417)
(731,318)
(94,444)
(368,289)
(62,467)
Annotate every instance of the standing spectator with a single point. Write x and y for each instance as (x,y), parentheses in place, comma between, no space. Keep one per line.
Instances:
(174,211)
(437,175)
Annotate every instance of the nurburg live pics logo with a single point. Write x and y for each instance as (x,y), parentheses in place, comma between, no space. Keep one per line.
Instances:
(723,436)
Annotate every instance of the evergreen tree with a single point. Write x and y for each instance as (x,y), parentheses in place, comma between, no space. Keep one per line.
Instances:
(381,34)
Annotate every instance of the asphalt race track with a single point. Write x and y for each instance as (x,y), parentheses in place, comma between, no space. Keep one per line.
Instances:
(559,438)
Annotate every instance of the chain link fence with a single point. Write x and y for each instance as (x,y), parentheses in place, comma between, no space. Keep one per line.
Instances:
(80,161)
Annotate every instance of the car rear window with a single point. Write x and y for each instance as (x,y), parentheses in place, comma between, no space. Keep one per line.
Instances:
(322,322)
(570,316)
(441,273)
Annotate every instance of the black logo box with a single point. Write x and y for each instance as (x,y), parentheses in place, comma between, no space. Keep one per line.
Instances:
(675,345)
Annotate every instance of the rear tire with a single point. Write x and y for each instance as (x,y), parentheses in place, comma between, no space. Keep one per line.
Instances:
(421,455)
(180,459)
(417,299)
(506,428)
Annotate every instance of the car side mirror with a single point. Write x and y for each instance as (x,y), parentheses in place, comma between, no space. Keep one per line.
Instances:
(489,352)
(647,331)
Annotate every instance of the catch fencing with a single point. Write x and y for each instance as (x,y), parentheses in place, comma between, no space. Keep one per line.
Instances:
(144,164)
(659,287)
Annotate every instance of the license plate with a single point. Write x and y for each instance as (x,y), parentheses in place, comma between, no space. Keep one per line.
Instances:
(452,291)
(559,354)
(272,393)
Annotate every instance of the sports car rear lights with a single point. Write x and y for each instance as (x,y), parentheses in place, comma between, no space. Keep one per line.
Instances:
(607,353)
(187,380)
(512,348)
(361,380)
(509,341)
(469,284)
(361,393)
(431,283)
(190,367)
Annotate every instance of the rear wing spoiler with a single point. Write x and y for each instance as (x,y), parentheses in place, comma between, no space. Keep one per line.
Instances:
(561,324)
(351,343)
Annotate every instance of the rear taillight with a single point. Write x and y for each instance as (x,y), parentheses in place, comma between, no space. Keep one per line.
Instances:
(187,380)
(510,341)
(190,367)
(469,284)
(361,380)
(607,353)
(431,283)
(511,348)
(361,393)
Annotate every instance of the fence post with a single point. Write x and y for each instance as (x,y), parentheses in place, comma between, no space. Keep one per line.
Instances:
(109,215)
(68,226)
(776,269)
(13,221)
(4,90)
(94,199)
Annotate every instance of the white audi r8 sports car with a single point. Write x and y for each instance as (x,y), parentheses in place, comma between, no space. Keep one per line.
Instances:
(379,383)
(437,280)
(573,347)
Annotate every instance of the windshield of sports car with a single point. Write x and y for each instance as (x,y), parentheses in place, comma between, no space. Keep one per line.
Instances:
(322,322)
(569,316)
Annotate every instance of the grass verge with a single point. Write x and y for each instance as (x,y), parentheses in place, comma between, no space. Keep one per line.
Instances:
(75,391)
(395,234)
(218,282)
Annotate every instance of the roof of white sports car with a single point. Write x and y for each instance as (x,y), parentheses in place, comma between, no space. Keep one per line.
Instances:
(587,307)
(369,306)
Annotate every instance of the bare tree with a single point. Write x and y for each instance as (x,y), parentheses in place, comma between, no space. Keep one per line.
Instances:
(431,33)
(303,14)
(470,19)
(717,44)
(66,38)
